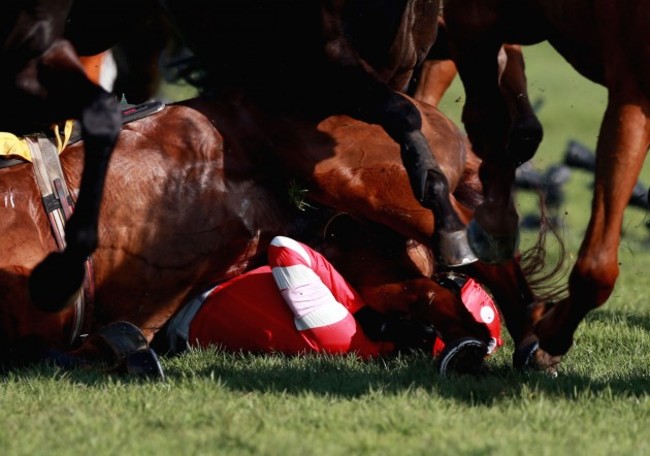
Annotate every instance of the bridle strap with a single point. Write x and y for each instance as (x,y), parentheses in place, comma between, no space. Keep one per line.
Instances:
(59,205)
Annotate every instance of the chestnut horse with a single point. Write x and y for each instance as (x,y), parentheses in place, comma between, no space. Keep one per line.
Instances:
(42,82)
(607,42)
(194,195)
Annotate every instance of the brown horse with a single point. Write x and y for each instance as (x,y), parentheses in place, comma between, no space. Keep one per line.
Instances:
(42,82)
(340,57)
(607,42)
(195,193)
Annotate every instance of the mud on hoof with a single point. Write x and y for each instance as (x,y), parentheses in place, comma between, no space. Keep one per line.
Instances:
(54,282)
(491,249)
(532,358)
(453,250)
(462,357)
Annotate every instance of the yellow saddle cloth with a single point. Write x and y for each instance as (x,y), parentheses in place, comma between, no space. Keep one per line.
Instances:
(12,146)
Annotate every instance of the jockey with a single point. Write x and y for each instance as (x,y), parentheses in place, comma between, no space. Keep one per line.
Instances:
(299,303)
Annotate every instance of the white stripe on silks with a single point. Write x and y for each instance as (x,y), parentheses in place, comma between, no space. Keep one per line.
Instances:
(324,316)
(291,244)
(293,276)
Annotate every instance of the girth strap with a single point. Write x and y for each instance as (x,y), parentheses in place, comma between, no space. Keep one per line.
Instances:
(59,205)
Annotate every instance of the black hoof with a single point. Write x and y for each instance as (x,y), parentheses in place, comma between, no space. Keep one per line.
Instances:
(532,358)
(145,364)
(491,249)
(55,281)
(463,357)
(453,249)
(524,357)
(122,339)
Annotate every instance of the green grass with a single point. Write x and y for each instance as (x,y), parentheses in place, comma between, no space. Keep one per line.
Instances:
(218,403)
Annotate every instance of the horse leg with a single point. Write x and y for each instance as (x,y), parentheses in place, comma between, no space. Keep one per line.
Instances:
(501,143)
(622,147)
(402,121)
(432,79)
(56,279)
(435,78)
(512,293)
(369,99)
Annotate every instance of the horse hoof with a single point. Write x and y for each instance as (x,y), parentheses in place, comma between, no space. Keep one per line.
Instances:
(122,339)
(489,248)
(463,357)
(55,281)
(533,358)
(453,249)
(145,364)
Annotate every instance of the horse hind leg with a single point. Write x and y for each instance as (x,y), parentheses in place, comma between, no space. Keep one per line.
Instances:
(59,276)
(622,147)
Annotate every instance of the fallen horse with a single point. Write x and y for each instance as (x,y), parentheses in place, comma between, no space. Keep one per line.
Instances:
(194,195)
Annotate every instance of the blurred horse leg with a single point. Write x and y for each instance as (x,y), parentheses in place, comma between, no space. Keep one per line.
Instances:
(43,82)
(59,276)
(501,141)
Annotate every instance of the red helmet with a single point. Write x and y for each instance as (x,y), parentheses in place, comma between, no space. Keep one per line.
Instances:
(482,307)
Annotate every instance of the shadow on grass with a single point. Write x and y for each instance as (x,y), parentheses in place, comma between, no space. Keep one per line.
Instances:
(349,377)
(611,316)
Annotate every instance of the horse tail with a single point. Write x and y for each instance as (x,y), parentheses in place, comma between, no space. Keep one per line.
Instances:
(545,265)
(546,279)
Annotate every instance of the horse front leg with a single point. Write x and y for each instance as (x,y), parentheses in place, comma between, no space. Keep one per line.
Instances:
(58,277)
(502,141)
(622,147)
(372,101)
